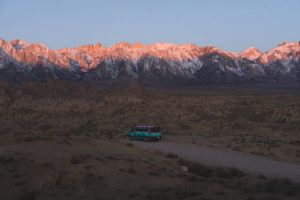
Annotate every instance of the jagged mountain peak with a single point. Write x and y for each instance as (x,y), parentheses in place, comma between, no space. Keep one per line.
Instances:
(163,61)
(282,52)
(138,45)
(252,49)
(91,47)
(288,44)
(287,47)
(251,53)
(2,41)
(121,45)
(19,44)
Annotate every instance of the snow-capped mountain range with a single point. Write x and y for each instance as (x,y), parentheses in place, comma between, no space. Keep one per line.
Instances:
(156,63)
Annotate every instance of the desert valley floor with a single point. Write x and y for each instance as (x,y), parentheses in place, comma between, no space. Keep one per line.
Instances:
(62,140)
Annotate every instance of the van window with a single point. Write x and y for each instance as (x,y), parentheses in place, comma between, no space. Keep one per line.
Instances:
(155,129)
(141,129)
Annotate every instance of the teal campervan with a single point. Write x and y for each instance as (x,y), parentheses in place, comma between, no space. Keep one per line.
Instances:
(145,133)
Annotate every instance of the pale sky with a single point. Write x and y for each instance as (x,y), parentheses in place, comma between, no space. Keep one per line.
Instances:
(231,25)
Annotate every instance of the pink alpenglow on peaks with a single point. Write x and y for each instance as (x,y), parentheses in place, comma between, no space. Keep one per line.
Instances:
(251,53)
(89,56)
(164,61)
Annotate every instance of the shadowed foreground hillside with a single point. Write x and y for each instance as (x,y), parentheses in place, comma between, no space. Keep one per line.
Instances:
(77,167)
(259,122)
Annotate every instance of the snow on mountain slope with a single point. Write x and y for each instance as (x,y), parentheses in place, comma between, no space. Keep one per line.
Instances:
(153,63)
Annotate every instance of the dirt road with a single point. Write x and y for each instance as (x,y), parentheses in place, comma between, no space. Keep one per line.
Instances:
(219,157)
